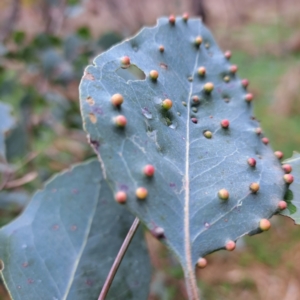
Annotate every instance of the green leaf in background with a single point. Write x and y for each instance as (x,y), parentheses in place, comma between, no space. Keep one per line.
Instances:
(292,196)
(64,243)
(6,123)
(200,144)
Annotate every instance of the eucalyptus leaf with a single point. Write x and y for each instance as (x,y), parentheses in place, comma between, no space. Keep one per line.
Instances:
(66,240)
(194,155)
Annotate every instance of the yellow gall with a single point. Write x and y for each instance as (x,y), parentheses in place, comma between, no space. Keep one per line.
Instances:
(223,194)
(254,187)
(153,75)
(198,41)
(201,71)
(264,224)
(207,134)
(141,193)
(208,87)
(117,99)
(167,104)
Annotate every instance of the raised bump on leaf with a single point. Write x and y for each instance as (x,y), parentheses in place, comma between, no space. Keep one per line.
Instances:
(120,121)
(225,123)
(121,197)
(226,78)
(198,41)
(249,97)
(125,61)
(245,83)
(227,54)
(185,17)
(251,162)
(233,68)
(161,48)
(196,99)
(282,205)
(287,168)
(117,99)
(172,19)
(167,104)
(207,134)
(254,187)
(258,130)
(288,178)
(141,193)
(158,232)
(278,154)
(264,224)
(265,140)
(223,194)
(149,170)
(153,75)
(208,87)
(201,71)
(201,263)
(230,245)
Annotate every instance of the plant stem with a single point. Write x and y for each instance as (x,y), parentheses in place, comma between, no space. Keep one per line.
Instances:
(118,259)
(191,285)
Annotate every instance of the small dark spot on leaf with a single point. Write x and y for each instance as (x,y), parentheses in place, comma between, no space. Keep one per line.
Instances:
(25,264)
(123,187)
(55,227)
(190,78)
(163,66)
(98,110)
(89,282)
(73,227)
(30,281)
(172,184)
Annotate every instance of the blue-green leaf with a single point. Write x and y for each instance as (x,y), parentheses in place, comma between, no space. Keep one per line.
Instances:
(66,240)
(182,207)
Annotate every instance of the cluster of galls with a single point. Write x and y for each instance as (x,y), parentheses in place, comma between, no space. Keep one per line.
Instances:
(149,170)
(141,192)
(264,224)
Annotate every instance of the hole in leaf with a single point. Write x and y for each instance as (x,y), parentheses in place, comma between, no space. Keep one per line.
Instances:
(131,73)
